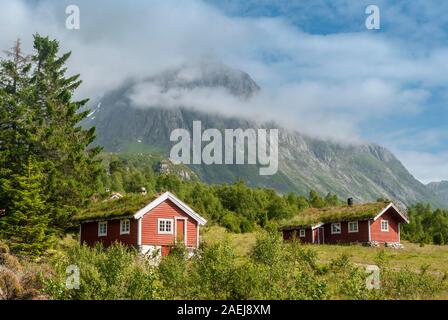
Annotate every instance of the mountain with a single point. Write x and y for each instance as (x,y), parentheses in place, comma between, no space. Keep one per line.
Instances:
(363,171)
(440,189)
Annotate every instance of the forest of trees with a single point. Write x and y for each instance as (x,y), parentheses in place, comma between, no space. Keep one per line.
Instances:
(427,225)
(235,206)
(49,171)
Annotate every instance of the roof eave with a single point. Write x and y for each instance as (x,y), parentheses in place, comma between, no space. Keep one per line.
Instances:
(391,205)
(169,196)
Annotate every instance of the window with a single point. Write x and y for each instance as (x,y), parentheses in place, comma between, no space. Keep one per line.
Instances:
(302,233)
(102,229)
(385,225)
(165,226)
(336,228)
(125,226)
(353,226)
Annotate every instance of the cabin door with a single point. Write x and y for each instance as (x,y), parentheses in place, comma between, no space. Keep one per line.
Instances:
(320,235)
(180,230)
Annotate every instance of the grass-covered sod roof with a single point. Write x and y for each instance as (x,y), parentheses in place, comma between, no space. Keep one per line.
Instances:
(126,206)
(313,216)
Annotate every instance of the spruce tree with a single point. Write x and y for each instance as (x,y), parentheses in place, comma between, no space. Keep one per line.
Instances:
(25,224)
(14,108)
(62,144)
(40,120)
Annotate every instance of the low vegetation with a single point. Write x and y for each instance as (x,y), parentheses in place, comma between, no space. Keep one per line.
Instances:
(270,269)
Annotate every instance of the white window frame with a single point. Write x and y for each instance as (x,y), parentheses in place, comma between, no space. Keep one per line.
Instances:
(302,233)
(102,234)
(336,224)
(387,224)
(124,223)
(355,223)
(171,221)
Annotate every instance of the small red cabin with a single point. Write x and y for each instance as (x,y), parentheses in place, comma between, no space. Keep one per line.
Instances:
(377,223)
(153,228)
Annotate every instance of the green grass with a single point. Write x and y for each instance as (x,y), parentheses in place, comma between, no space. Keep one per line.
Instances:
(241,242)
(412,255)
(123,207)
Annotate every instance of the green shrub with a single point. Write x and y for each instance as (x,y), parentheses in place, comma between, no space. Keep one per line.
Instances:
(173,274)
(231,222)
(113,273)
(438,238)
(212,272)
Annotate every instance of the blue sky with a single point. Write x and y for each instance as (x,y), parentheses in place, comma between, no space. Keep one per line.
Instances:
(421,27)
(321,71)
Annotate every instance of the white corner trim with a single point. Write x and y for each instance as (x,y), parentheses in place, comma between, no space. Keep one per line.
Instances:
(368,228)
(139,233)
(197,236)
(391,205)
(169,196)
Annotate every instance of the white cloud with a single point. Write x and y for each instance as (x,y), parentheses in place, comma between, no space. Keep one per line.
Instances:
(425,166)
(325,85)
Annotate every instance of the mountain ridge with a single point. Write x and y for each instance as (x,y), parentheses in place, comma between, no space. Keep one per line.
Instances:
(365,171)
(440,188)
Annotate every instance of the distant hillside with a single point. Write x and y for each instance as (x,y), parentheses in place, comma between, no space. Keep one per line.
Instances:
(363,171)
(441,190)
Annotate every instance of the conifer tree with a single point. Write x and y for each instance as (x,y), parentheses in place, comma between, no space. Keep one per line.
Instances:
(14,115)
(63,145)
(40,119)
(26,222)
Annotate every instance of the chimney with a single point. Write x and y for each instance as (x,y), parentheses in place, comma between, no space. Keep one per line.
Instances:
(350,201)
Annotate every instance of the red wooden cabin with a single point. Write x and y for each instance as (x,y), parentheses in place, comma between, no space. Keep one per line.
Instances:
(154,228)
(367,223)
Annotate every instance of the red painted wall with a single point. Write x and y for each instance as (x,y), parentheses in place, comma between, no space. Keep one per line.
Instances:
(382,236)
(288,235)
(166,210)
(345,237)
(89,233)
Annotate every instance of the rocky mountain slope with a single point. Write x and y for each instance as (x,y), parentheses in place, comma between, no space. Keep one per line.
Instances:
(363,171)
(440,189)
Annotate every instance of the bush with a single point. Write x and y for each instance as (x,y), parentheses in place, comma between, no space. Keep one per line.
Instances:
(3,248)
(273,270)
(10,287)
(438,238)
(246,226)
(212,272)
(174,274)
(231,222)
(113,273)
(11,262)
